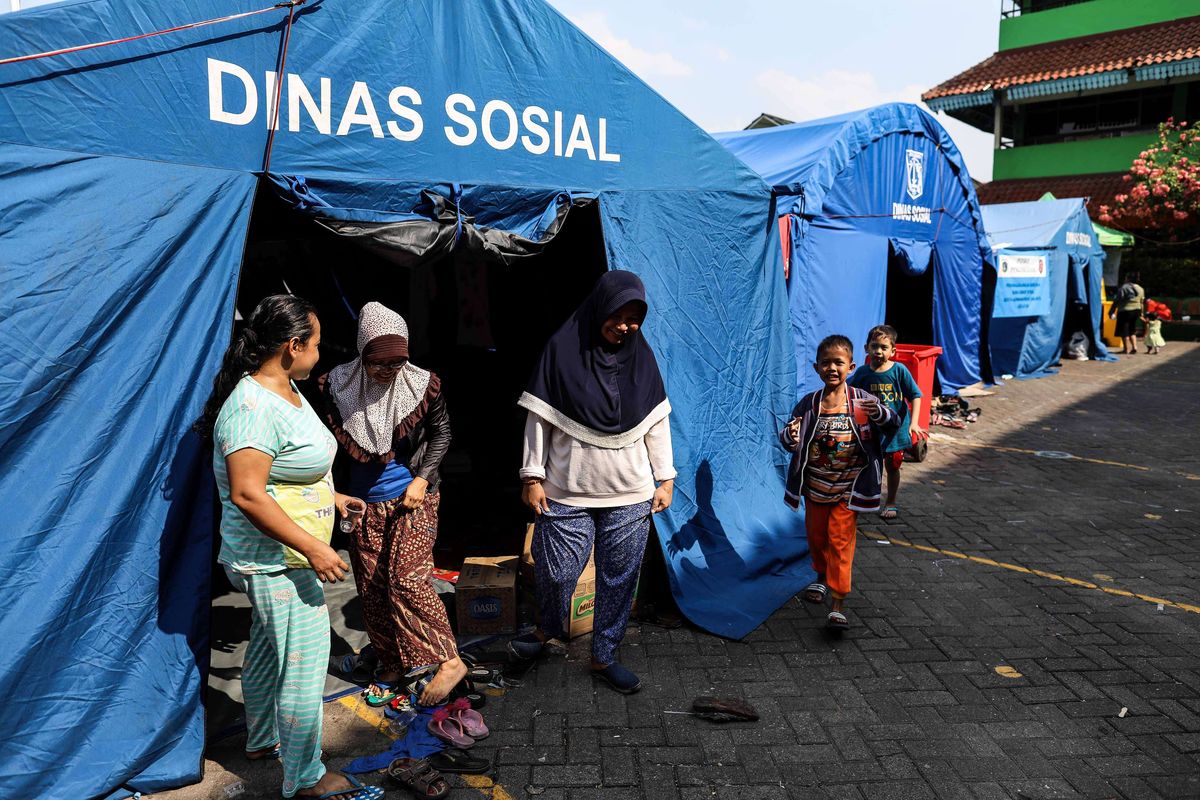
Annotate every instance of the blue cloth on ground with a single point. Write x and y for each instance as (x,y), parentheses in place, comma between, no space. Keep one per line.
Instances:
(895,387)
(418,742)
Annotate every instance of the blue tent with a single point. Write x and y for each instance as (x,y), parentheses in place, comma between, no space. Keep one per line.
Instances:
(1030,320)
(127,177)
(874,199)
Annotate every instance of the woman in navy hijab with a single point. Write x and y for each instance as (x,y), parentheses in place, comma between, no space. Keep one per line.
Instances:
(597,464)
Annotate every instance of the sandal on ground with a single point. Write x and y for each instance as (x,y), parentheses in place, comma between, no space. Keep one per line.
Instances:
(815,593)
(455,761)
(836,621)
(449,729)
(467,689)
(889,512)
(527,647)
(357,791)
(263,755)
(724,709)
(471,721)
(419,777)
(619,678)
(390,690)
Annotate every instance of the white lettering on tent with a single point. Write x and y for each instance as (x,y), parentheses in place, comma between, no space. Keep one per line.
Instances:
(269,100)
(452,105)
(604,154)
(216,93)
(404,112)
(541,131)
(581,138)
(907,213)
(489,135)
(360,96)
(533,127)
(1078,238)
(298,94)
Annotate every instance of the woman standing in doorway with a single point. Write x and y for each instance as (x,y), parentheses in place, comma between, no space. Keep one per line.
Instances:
(1127,307)
(390,418)
(272,459)
(597,439)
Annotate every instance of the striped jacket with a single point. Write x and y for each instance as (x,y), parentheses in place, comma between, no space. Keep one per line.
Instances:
(866,491)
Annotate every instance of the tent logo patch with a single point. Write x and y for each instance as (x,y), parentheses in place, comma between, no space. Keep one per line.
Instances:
(914,173)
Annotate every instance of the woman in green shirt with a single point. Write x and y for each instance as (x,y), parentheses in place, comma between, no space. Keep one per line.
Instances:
(272,457)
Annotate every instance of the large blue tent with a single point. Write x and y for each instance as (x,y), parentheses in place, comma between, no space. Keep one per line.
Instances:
(1055,237)
(862,191)
(127,177)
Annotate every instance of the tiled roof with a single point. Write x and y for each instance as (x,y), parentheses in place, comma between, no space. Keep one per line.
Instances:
(1100,187)
(1147,45)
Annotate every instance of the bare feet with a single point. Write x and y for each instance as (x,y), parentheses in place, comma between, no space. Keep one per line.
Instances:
(330,782)
(447,677)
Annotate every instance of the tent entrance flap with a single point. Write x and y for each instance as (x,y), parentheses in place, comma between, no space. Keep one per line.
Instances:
(433,221)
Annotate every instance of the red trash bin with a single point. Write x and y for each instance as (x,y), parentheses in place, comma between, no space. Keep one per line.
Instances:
(920,360)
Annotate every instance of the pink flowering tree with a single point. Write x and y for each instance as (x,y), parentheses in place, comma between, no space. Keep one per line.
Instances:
(1163,185)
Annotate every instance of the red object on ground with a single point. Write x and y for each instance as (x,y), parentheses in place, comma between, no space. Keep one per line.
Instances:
(920,360)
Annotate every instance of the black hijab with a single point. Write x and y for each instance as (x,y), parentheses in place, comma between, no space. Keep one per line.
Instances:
(600,394)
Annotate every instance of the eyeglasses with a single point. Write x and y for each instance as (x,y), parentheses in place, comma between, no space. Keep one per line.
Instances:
(390,366)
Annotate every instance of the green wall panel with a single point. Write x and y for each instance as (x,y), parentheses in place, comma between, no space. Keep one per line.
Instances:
(1070,158)
(1084,19)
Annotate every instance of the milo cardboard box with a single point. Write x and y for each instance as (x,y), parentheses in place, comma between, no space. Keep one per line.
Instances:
(583,600)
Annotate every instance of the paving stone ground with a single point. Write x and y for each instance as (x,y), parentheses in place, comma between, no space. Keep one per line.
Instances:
(1102,644)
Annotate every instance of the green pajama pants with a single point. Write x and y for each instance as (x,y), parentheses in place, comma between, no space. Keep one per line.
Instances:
(283,678)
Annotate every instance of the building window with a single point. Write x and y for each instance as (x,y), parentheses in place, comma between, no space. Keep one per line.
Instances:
(1016,8)
(1092,117)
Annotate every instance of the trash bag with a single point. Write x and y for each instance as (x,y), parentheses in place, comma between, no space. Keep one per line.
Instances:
(1077,348)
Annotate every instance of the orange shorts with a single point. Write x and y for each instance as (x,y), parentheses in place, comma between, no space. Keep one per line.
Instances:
(831,529)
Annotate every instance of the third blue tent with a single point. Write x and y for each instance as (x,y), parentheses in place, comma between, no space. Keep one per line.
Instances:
(880,224)
(1050,270)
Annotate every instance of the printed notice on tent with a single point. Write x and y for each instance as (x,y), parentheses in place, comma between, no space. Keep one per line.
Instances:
(1022,285)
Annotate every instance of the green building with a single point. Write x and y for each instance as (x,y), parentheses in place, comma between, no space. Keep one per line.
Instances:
(1076,91)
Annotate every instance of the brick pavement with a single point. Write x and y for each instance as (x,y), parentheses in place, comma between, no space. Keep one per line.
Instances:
(1102,695)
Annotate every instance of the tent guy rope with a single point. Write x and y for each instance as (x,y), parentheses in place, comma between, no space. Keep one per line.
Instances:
(290,5)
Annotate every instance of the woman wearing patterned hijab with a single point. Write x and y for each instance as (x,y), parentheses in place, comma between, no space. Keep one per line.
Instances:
(597,439)
(390,418)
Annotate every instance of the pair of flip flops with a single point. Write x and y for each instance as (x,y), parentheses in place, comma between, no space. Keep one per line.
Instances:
(360,791)
(458,724)
(815,593)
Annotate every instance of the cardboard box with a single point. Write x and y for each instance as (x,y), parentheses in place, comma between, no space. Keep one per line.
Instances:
(583,599)
(486,595)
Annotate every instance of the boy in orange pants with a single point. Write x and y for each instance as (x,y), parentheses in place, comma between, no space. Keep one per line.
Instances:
(837,467)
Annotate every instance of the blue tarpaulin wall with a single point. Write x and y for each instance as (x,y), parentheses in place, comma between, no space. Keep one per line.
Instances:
(126,180)
(1027,347)
(856,187)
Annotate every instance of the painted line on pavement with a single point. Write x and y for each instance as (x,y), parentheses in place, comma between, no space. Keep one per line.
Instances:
(1038,572)
(942,438)
(481,783)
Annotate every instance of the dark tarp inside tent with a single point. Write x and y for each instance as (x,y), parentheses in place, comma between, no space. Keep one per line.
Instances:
(470,132)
